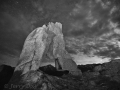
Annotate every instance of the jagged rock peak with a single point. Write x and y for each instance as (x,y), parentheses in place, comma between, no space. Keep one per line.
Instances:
(45,43)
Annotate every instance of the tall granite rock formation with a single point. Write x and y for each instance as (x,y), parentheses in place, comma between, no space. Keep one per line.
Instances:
(46,42)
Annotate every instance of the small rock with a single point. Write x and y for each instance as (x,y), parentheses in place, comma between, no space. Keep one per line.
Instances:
(92,83)
(97,68)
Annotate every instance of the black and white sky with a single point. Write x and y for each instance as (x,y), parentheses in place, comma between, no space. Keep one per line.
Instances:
(91,27)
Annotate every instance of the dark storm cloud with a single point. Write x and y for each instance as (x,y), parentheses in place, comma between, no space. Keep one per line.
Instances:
(90,17)
(111,51)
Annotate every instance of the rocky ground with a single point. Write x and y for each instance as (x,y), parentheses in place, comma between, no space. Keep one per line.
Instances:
(94,77)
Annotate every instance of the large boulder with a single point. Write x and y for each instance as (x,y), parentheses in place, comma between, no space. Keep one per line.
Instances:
(46,42)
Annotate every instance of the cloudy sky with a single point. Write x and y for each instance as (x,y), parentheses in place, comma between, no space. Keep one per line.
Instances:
(90,27)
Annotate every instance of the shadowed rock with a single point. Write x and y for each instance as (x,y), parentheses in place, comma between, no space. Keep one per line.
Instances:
(88,67)
(50,70)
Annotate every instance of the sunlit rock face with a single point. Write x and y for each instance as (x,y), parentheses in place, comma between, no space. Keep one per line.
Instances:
(43,43)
